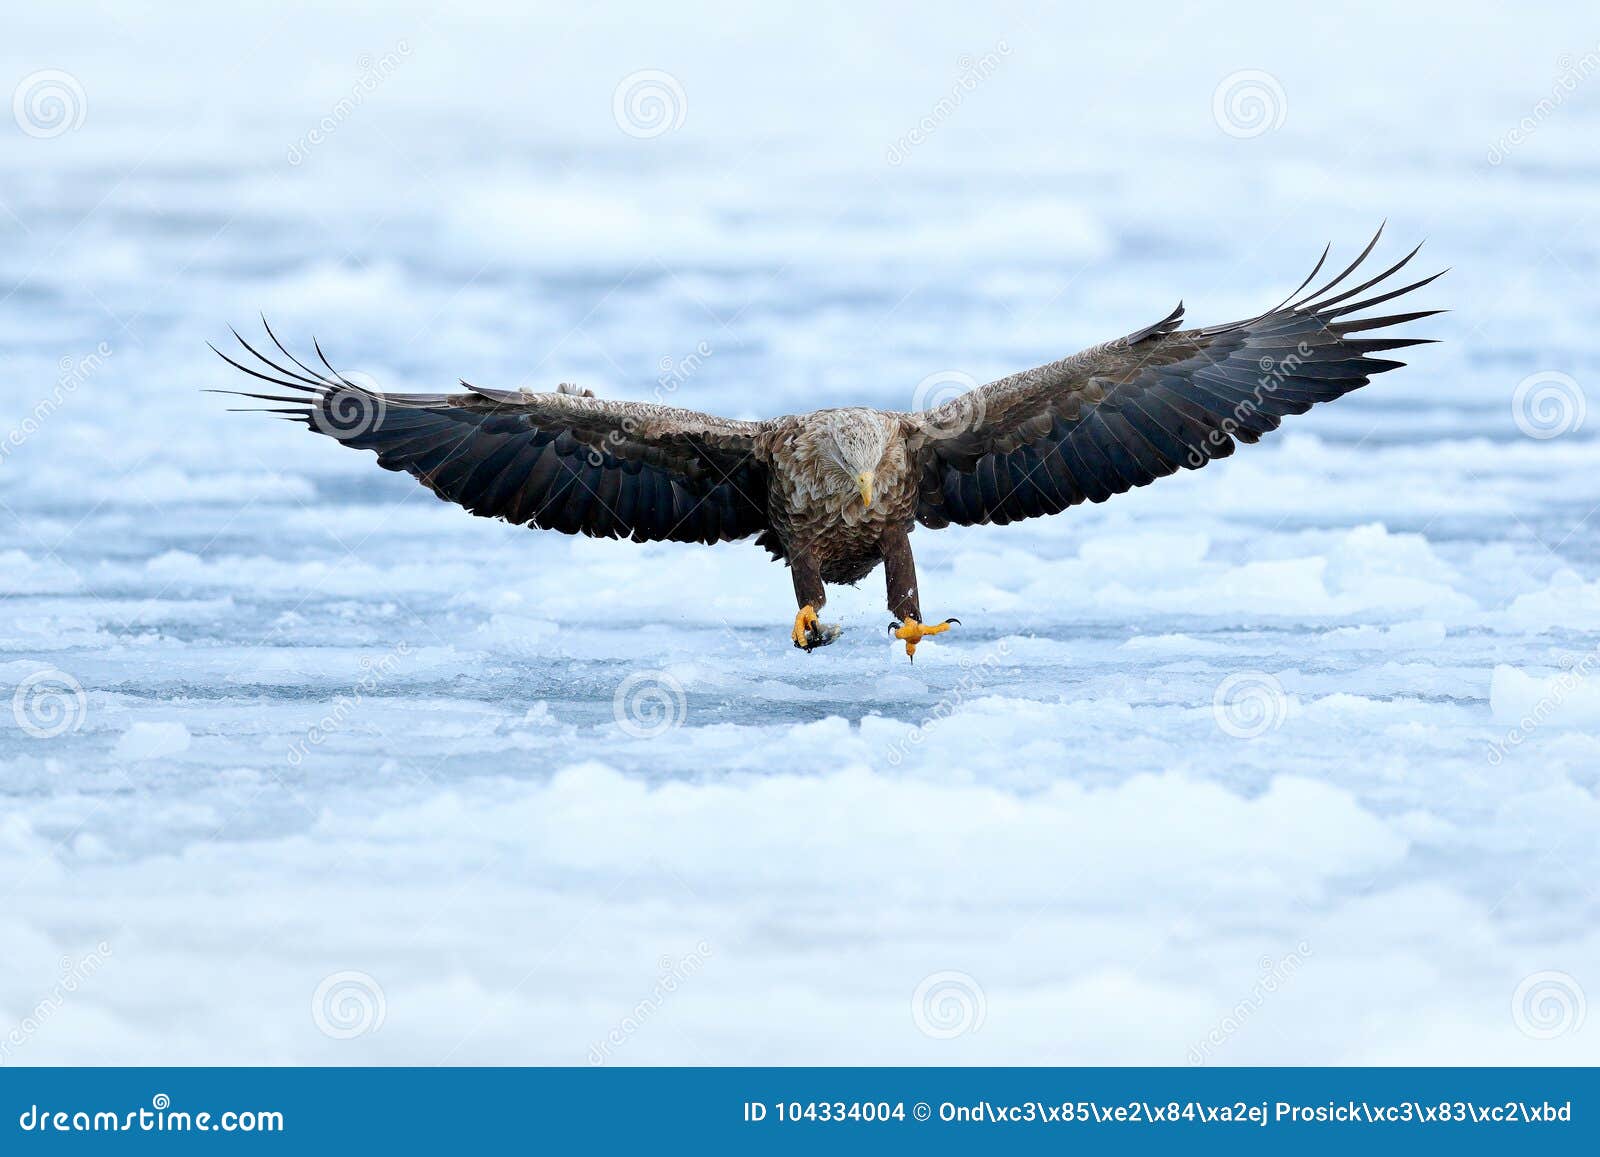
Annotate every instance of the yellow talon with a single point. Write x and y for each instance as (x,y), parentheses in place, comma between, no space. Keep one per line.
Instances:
(914,632)
(807,629)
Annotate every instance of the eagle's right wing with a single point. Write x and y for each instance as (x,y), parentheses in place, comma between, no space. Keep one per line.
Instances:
(559,461)
(1127,412)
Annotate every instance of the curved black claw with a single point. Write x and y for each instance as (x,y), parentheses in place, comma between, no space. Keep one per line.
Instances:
(819,635)
(913,631)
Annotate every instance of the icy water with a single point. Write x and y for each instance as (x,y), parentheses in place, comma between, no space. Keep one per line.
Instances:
(1293,759)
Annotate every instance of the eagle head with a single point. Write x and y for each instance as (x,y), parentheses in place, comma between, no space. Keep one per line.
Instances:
(855,443)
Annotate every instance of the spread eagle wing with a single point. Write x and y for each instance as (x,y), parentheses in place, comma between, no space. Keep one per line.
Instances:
(564,461)
(1127,412)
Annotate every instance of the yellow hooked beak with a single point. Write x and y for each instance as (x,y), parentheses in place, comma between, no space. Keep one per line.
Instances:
(864,480)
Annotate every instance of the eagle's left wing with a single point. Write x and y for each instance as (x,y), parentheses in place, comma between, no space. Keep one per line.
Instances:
(1127,412)
(560,461)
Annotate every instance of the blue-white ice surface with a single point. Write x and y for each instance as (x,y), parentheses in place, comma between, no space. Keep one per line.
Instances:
(1046,802)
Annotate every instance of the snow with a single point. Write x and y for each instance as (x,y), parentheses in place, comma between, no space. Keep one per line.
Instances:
(313,768)
(144,741)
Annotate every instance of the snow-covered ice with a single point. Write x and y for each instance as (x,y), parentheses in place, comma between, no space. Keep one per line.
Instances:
(1295,759)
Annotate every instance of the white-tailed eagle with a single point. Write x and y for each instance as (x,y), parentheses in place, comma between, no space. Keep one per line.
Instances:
(835,492)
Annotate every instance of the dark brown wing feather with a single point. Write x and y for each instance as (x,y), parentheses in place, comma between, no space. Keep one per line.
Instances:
(1136,409)
(559,461)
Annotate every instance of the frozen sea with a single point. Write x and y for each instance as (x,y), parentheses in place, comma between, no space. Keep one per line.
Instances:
(1291,760)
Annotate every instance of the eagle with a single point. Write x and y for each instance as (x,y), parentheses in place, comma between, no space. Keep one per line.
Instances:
(833,493)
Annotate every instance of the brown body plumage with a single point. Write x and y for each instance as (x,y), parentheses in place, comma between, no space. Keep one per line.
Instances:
(815,505)
(833,493)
